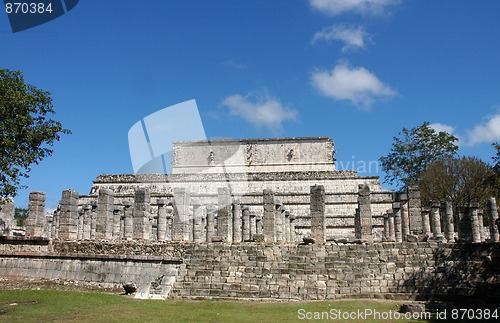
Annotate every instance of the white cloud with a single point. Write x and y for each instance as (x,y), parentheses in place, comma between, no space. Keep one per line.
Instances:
(438,127)
(357,85)
(353,38)
(260,110)
(488,131)
(364,7)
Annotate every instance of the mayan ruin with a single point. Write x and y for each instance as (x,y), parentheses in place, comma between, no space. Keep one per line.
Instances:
(262,218)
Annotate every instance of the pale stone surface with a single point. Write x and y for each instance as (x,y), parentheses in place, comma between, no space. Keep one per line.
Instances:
(35,222)
(104,214)
(141,224)
(68,223)
(268,219)
(364,225)
(7,220)
(436,219)
(492,217)
(449,228)
(224,215)
(318,226)
(414,206)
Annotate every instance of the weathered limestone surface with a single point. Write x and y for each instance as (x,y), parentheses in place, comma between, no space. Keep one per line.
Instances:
(492,217)
(7,220)
(104,214)
(405,221)
(318,225)
(142,226)
(35,222)
(224,215)
(269,219)
(181,215)
(68,222)
(449,228)
(262,271)
(364,229)
(414,205)
(436,220)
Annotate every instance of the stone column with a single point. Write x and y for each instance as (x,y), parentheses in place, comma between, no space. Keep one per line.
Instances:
(476,234)
(449,230)
(279,219)
(364,214)
(292,228)
(56,222)
(268,219)
(391,225)
(68,220)
(436,220)
(93,221)
(492,216)
(253,225)
(287,227)
(142,227)
(224,215)
(464,224)
(480,223)
(117,216)
(259,225)
(396,210)
(162,220)
(7,212)
(317,207)
(246,224)
(128,222)
(210,223)
(87,221)
(405,222)
(414,210)
(79,235)
(104,221)
(170,221)
(385,236)
(197,220)
(35,222)
(181,230)
(426,226)
(237,223)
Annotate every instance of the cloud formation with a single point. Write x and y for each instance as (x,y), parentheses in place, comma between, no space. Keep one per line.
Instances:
(260,110)
(438,127)
(352,37)
(363,7)
(357,85)
(488,131)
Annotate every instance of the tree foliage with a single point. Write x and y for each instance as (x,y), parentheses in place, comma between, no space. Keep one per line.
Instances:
(494,181)
(458,180)
(26,131)
(413,150)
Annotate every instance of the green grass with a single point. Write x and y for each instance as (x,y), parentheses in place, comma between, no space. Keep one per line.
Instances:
(71,306)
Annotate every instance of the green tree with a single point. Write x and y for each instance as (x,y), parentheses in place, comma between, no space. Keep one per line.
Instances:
(20,214)
(494,181)
(413,151)
(458,180)
(26,131)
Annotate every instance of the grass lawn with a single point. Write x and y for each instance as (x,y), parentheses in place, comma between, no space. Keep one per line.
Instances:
(71,306)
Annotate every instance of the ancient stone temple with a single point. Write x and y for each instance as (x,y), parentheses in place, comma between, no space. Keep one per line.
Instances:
(256,219)
(230,176)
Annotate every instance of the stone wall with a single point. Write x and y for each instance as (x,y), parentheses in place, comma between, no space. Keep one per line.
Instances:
(423,270)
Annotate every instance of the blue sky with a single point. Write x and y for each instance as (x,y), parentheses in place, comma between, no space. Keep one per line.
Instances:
(356,71)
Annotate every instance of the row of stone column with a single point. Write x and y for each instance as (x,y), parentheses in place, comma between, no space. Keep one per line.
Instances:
(470,222)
